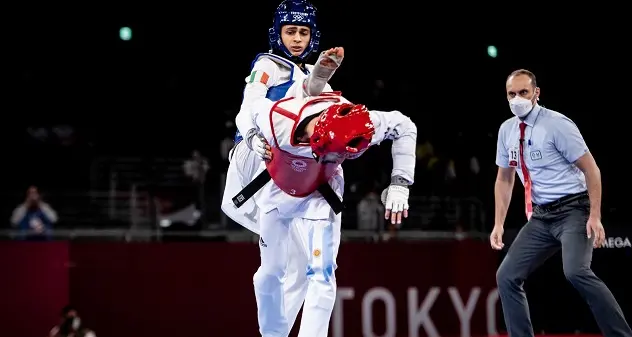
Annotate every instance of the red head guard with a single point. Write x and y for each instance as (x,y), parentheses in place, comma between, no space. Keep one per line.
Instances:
(344,129)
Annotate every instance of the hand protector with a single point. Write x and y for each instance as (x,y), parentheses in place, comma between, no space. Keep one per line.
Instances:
(395,198)
(324,69)
(257,143)
(326,64)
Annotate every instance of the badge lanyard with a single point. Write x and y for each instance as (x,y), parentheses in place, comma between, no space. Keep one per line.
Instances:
(532,128)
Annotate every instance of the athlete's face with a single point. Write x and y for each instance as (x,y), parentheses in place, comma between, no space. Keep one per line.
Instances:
(309,130)
(295,38)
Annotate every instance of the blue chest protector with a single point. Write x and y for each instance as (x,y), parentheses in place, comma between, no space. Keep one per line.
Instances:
(275,92)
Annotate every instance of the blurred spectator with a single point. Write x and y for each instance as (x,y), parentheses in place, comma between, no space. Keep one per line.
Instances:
(226,145)
(370,212)
(70,325)
(425,151)
(34,218)
(65,134)
(196,167)
(475,167)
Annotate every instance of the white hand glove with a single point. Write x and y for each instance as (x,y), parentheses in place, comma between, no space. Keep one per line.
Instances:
(258,144)
(395,200)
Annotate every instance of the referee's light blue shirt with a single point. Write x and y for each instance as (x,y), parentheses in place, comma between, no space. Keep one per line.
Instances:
(553,144)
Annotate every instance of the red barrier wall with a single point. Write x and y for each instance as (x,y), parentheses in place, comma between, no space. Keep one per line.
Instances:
(33,286)
(205,289)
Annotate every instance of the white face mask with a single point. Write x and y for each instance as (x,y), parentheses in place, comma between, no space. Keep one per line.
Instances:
(520,106)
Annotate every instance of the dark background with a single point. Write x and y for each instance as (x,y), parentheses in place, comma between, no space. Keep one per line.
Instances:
(163,91)
(172,88)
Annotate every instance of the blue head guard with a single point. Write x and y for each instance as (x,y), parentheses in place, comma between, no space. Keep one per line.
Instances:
(294,12)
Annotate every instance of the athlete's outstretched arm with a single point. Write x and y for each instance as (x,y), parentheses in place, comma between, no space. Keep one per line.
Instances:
(323,70)
(402,131)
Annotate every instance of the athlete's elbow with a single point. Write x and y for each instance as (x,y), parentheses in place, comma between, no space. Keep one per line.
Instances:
(411,128)
(506,176)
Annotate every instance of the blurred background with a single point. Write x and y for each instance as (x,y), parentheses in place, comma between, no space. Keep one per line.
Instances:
(119,119)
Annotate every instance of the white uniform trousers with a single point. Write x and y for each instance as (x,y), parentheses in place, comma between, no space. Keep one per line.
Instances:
(244,166)
(298,263)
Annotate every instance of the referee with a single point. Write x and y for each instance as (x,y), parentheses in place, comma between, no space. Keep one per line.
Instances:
(563,205)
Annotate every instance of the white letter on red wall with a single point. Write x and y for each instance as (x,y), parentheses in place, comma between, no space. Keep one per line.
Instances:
(385,296)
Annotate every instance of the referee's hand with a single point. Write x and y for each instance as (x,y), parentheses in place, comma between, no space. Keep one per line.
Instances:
(496,238)
(594,227)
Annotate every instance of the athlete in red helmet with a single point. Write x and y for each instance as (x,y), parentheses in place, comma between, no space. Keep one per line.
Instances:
(342,128)
(301,188)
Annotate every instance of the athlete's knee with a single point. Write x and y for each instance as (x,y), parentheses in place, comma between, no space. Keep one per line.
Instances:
(273,262)
(266,281)
(268,277)
(271,270)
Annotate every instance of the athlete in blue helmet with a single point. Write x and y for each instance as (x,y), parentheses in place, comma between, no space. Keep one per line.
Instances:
(301,14)
(293,37)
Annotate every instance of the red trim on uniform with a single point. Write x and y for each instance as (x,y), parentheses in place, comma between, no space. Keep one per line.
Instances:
(296,175)
(331,93)
(270,118)
(285,113)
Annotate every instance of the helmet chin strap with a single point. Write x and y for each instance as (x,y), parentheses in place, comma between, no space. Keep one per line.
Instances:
(295,59)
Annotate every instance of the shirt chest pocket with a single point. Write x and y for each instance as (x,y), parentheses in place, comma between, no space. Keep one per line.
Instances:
(538,156)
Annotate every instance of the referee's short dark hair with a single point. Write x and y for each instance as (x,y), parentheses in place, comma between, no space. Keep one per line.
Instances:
(524,72)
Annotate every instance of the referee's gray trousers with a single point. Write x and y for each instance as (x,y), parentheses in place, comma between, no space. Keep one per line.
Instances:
(561,224)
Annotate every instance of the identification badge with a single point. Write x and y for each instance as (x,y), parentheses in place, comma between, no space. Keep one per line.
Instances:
(513,156)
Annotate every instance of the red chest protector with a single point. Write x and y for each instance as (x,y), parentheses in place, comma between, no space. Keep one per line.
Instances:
(292,168)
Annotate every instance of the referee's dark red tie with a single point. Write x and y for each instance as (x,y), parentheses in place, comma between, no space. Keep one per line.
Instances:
(527,179)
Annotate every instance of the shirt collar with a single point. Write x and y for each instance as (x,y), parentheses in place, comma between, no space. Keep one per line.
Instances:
(532,116)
